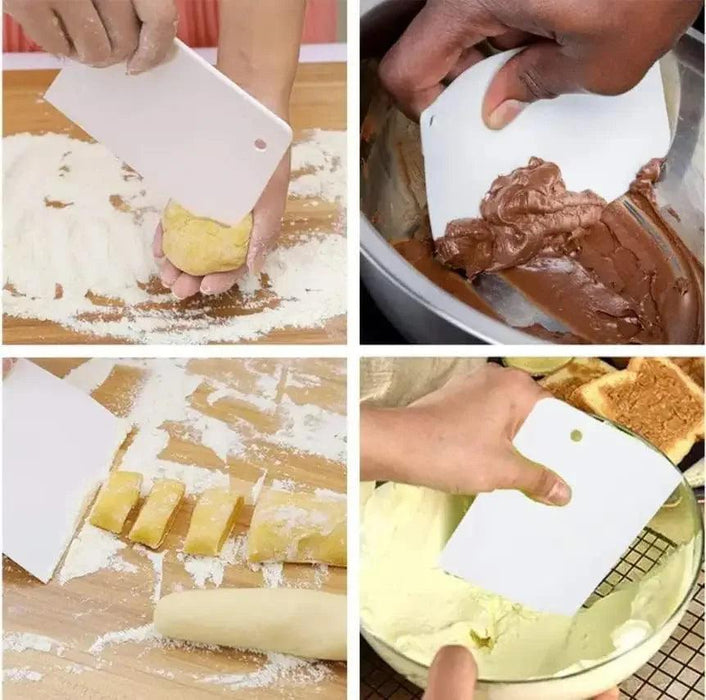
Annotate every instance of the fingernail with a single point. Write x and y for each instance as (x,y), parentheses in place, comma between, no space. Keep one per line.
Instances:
(504,113)
(560,493)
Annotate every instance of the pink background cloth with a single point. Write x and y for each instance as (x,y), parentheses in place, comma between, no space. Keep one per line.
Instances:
(198,25)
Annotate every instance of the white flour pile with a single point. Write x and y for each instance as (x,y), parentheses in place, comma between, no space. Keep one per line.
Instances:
(21,641)
(157,561)
(91,550)
(319,166)
(312,429)
(21,674)
(77,225)
(143,633)
(203,569)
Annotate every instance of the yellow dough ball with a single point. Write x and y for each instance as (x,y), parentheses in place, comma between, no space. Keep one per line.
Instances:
(201,246)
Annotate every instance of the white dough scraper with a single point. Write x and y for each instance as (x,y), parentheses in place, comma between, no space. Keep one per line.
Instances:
(598,142)
(548,558)
(58,446)
(189,131)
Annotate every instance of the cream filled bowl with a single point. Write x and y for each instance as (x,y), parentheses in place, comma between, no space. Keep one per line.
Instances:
(410,607)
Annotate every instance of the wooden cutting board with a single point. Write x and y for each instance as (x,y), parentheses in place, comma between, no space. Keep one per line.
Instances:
(79,612)
(318,102)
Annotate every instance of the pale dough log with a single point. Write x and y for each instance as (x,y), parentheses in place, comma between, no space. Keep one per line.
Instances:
(295,621)
(298,527)
(201,246)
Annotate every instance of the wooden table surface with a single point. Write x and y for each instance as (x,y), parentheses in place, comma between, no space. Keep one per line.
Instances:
(318,102)
(80,611)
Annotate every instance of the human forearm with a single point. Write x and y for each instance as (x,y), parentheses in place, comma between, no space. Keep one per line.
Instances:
(385,444)
(258,47)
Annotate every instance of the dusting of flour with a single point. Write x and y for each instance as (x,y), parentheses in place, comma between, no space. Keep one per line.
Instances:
(319,166)
(163,401)
(21,674)
(278,669)
(77,235)
(93,549)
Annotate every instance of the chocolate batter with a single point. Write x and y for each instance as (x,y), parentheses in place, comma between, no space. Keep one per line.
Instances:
(611,272)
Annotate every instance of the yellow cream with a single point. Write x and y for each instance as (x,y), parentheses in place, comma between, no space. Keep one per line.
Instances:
(415,607)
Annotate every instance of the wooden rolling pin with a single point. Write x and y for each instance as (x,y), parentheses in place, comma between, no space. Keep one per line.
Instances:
(306,623)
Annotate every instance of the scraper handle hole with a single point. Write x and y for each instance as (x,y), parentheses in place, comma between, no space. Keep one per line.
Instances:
(260,145)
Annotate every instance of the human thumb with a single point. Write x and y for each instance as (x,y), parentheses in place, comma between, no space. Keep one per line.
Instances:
(452,675)
(535,480)
(540,71)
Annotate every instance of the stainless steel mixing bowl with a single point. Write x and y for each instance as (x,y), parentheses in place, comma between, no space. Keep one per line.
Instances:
(424,313)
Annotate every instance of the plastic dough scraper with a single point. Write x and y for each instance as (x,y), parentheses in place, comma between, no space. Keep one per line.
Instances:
(58,446)
(598,142)
(548,558)
(192,134)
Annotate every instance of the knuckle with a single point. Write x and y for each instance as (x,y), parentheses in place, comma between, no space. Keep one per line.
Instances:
(518,377)
(544,483)
(389,74)
(536,84)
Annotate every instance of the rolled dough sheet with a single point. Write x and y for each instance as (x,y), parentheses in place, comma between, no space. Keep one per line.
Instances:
(306,623)
(58,446)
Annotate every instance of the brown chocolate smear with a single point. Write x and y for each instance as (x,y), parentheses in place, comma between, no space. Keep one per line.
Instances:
(525,213)
(420,254)
(611,273)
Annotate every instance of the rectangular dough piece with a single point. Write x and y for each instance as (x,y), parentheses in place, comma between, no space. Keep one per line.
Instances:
(299,527)
(157,513)
(212,520)
(117,497)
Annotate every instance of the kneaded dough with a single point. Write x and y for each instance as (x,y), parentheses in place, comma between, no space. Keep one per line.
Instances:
(299,527)
(117,497)
(201,246)
(157,513)
(295,621)
(212,520)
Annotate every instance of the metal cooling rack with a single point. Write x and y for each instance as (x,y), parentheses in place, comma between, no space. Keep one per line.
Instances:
(644,554)
(676,672)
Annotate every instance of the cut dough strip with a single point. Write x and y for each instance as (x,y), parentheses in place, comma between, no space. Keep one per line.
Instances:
(157,513)
(213,518)
(117,497)
(298,527)
(295,621)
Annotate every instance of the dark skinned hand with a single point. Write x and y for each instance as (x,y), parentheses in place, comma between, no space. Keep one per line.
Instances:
(601,46)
